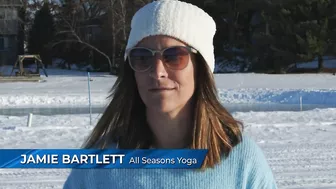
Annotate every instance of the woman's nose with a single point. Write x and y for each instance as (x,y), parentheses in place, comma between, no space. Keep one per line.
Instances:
(158,69)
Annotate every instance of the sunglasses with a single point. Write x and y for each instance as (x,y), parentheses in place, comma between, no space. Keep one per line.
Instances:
(142,59)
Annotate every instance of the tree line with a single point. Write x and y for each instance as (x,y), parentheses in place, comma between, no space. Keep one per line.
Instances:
(261,35)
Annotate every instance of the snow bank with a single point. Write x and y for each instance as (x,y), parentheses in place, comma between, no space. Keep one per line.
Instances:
(241,96)
(279,96)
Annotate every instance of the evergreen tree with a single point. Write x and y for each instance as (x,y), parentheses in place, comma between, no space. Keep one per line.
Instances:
(278,45)
(316,40)
(299,31)
(42,33)
(332,25)
(232,18)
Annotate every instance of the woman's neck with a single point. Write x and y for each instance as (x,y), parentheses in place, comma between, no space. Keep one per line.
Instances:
(172,129)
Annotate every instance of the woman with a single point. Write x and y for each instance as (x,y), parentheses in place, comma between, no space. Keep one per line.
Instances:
(166,98)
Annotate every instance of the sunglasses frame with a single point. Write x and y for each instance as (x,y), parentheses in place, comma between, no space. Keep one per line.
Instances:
(190,50)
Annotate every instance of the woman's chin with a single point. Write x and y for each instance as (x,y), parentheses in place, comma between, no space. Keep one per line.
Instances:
(162,107)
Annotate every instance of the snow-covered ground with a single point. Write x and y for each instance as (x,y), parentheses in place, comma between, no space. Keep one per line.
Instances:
(69,88)
(300,146)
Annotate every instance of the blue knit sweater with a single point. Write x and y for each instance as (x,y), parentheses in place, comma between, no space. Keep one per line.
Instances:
(245,168)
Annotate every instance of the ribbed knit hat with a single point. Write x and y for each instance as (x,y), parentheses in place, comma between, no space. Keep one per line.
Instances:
(177,19)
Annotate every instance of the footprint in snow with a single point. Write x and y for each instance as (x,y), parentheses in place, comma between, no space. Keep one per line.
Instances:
(9,128)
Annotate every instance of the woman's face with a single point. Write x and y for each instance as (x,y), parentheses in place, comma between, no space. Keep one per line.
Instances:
(161,88)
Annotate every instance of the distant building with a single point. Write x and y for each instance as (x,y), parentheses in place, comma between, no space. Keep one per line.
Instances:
(9,28)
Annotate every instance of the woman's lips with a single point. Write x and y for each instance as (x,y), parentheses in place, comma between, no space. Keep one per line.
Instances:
(161,89)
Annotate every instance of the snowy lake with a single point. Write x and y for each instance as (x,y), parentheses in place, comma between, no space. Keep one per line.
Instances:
(300,146)
(49,111)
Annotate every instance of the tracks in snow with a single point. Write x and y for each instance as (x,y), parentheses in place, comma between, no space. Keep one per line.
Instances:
(32,178)
(303,165)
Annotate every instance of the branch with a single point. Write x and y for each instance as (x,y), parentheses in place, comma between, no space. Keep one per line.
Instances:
(72,30)
(84,43)
(145,1)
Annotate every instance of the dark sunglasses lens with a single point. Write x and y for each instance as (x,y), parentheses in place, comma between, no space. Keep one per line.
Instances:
(140,59)
(176,57)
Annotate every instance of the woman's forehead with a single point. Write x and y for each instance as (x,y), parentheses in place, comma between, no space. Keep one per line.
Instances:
(159,42)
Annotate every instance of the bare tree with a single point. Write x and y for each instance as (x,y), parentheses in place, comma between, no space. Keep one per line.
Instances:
(123,17)
(75,38)
(74,23)
(93,8)
(112,17)
(119,18)
(143,2)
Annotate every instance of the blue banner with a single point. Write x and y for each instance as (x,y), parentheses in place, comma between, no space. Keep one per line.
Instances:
(85,158)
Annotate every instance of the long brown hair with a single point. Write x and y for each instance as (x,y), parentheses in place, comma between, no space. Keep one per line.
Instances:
(124,120)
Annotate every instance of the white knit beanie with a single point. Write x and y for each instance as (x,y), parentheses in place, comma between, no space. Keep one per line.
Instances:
(177,19)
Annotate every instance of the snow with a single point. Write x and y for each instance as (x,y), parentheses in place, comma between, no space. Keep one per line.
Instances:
(61,88)
(70,88)
(300,146)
